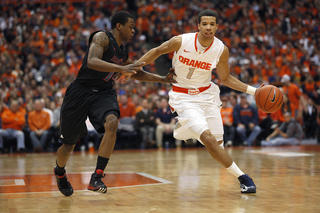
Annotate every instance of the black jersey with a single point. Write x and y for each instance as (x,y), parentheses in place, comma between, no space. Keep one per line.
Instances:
(102,80)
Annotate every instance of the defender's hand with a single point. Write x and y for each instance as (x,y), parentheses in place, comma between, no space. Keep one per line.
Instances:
(170,77)
(131,69)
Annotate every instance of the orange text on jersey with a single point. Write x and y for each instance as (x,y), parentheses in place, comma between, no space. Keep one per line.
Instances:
(195,63)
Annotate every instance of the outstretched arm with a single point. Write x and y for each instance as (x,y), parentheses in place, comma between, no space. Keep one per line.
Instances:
(100,43)
(169,46)
(142,75)
(172,45)
(229,80)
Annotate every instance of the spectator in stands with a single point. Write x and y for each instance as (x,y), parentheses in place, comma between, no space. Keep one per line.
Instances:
(227,119)
(289,133)
(145,123)
(127,109)
(310,113)
(287,106)
(246,119)
(293,92)
(12,123)
(39,124)
(165,122)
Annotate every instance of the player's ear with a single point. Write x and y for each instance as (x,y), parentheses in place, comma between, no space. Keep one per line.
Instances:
(118,26)
(198,26)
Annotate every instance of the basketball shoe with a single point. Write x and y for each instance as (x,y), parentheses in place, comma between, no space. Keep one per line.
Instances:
(96,183)
(63,183)
(246,184)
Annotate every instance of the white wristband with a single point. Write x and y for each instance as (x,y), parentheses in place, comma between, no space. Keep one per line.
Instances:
(251,90)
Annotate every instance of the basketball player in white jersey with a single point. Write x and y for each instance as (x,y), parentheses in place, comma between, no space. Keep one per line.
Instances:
(194,97)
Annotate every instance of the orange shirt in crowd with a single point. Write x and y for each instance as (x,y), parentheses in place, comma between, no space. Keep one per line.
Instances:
(285,70)
(310,86)
(128,111)
(293,92)
(13,120)
(138,109)
(226,114)
(10,77)
(263,115)
(39,120)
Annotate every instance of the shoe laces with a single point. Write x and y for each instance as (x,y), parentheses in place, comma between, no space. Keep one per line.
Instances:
(245,179)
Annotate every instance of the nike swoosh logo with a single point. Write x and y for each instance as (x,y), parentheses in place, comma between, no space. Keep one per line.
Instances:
(186,51)
(274,96)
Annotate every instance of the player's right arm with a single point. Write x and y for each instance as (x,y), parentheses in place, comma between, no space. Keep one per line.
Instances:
(100,43)
(171,45)
(223,72)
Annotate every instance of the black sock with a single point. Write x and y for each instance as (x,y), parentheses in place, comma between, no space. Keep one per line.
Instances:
(59,170)
(102,163)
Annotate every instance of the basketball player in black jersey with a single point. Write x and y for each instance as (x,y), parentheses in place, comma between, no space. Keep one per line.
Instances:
(92,95)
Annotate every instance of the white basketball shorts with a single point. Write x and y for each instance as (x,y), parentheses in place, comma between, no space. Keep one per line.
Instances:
(197,113)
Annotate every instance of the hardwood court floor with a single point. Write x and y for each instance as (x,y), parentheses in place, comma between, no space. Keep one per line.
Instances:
(186,180)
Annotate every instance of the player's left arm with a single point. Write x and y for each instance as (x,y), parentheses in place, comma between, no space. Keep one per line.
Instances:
(223,72)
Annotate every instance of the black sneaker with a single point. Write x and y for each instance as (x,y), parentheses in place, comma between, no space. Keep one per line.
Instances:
(63,184)
(246,184)
(96,183)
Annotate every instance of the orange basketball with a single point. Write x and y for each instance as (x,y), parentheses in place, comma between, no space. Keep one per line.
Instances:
(269,98)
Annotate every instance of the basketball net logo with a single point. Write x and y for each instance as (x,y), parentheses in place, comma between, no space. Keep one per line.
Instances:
(274,96)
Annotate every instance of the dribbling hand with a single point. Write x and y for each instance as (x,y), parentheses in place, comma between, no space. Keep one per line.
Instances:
(259,88)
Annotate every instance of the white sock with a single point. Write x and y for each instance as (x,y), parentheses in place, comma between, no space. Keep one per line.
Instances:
(234,169)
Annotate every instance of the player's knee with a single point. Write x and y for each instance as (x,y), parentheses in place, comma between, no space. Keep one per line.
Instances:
(111,123)
(209,140)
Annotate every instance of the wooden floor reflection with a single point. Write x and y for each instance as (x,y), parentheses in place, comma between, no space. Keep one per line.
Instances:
(186,180)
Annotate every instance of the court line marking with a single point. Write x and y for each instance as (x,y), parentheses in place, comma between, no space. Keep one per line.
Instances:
(17,182)
(162,181)
(273,152)
(153,177)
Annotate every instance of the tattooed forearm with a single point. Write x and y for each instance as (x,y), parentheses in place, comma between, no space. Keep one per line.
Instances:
(100,42)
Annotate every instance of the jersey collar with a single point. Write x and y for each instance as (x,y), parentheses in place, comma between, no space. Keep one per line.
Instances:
(195,44)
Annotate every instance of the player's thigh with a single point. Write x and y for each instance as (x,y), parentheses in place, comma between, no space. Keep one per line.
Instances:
(193,120)
(214,121)
(73,114)
(103,104)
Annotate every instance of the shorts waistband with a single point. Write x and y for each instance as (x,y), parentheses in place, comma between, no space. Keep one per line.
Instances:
(193,91)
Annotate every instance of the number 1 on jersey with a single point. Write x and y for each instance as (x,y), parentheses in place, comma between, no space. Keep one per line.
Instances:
(190,73)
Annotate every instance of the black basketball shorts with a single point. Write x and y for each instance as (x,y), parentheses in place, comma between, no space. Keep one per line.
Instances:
(81,102)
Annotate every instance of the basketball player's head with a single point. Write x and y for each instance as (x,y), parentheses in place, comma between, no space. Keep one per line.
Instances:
(207,23)
(123,23)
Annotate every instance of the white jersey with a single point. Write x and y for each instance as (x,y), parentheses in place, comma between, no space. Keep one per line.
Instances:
(192,66)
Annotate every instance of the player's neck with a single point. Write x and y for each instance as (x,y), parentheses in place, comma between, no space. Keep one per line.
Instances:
(204,42)
(117,37)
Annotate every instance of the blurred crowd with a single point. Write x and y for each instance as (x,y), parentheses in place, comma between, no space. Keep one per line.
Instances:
(42,45)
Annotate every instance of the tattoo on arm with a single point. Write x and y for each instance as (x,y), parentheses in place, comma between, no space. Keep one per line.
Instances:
(99,43)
